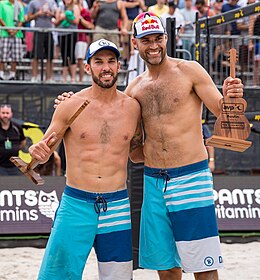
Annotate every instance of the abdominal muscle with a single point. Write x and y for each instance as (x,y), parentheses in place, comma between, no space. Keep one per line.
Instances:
(98,171)
(173,145)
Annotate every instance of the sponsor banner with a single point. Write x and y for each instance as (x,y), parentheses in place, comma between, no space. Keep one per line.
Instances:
(237,202)
(230,16)
(26,208)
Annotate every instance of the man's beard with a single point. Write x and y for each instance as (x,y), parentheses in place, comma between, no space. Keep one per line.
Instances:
(97,81)
(5,120)
(150,60)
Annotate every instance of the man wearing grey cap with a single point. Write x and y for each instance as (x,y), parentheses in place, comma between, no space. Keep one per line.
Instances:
(94,210)
(178,221)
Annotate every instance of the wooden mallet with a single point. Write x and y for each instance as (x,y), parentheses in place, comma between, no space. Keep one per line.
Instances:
(27,169)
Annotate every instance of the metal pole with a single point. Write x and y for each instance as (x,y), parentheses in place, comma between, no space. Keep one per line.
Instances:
(171,43)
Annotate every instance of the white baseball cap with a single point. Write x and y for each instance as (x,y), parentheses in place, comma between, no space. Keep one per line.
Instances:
(147,23)
(100,45)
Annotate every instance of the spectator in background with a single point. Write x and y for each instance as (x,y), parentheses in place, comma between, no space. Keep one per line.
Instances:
(160,8)
(85,22)
(11,141)
(68,18)
(174,12)
(11,49)
(189,15)
(28,34)
(210,149)
(42,12)
(244,54)
(203,9)
(219,45)
(106,14)
(132,9)
(232,5)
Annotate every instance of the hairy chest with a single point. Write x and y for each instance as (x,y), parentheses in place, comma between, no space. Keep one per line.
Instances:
(161,98)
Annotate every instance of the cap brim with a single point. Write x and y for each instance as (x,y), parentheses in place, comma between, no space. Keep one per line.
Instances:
(117,53)
(149,33)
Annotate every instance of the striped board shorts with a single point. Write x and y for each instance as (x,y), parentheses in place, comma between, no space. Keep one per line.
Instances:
(11,49)
(178,220)
(85,220)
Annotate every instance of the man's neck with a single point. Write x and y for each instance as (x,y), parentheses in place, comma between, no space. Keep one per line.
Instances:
(5,126)
(104,94)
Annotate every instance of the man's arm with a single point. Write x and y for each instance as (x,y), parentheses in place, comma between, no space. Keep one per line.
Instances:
(207,90)
(136,146)
(22,144)
(211,152)
(41,151)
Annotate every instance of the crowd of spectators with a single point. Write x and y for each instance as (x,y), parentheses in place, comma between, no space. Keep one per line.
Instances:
(109,19)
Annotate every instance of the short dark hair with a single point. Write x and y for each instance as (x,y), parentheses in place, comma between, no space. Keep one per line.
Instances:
(200,2)
(172,4)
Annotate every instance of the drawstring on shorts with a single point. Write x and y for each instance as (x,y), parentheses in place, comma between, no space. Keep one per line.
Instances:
(162,174)
(100,203)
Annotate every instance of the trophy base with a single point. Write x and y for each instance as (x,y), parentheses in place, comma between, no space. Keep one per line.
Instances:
(232,144)
(31,174)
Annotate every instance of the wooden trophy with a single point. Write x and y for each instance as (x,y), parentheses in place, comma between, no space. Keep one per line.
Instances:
(232,127)
(27,169)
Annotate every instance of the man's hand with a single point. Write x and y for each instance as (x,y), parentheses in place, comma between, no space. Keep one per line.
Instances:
(62,97)
(233,87)
(41,150)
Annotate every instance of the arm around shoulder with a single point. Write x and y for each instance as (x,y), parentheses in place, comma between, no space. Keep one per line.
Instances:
(136,145)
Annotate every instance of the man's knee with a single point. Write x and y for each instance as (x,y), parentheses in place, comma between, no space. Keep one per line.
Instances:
(170,274)
(207,275)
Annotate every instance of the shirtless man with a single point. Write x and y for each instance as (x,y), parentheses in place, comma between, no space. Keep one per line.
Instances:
(178,222)
(94,209)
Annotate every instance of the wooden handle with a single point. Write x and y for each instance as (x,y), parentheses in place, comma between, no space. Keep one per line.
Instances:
(233,58)
(60,134)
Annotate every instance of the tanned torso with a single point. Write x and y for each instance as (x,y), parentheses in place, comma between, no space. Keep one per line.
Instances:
(171,113)
(97,143)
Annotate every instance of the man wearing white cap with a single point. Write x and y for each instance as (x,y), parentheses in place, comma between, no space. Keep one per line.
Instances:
(94,210)
(178,221)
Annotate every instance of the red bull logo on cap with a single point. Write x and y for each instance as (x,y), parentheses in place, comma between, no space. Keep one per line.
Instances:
(150,24)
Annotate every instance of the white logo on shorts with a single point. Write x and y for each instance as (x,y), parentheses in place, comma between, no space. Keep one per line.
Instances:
(208,261)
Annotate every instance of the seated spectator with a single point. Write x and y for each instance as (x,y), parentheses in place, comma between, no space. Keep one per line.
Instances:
(106,14)
(160,8)
(42,12)
(11,49)
(12,140)
(85,22)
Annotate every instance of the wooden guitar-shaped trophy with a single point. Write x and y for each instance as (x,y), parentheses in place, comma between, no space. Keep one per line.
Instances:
(232,127)
(27,169)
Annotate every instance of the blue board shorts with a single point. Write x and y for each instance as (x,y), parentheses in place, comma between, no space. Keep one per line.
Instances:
(85,220)
(178,220)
